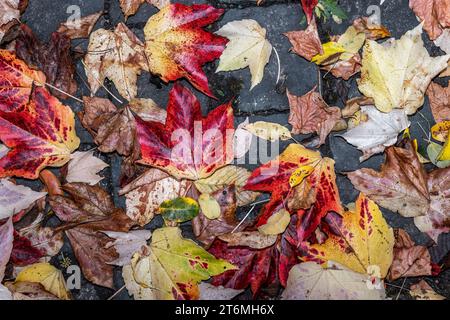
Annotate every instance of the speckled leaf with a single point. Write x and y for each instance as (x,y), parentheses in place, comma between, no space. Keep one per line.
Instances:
(177,46)
(172,268)
(363,241)
(179,210)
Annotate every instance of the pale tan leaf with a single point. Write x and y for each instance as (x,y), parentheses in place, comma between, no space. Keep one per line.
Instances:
(84,167)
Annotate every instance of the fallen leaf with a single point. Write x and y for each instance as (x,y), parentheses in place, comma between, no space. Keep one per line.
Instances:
(127,244)
(353,105)
(206,230)
(345,69)
(29,291)
(23,252)
(179,210)
(397,73)
(439,102)
(117,55)
(435,15)
(274,177)
(308,7)
(434,150)
(248,47)
(35,139)
(172,268)
(6,245)
(48,276)
(80,28)
(5,294)
(371,29)
(381,130)
(331,53)
(410,260)
(403,186)
(177,46)
(227,176)
(423,291)
(53,58)
(209,206)
(130,7)
(306,43)
(176,149)
(251,239)
(269,131)
(15,198)
(363,241)
(88,211)
(440,130)
(309,281)
(210,292)
(84,167)
(145,194)
(10,11)
(276,224)
(311,114)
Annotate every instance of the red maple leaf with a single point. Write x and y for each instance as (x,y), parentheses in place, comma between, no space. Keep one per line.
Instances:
(308,8)
(188,146)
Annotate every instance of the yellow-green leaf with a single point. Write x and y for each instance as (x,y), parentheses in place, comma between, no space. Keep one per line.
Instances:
(268,131)
(299,175)
(210,207)
(172,269)
(331,53)
(276,224)
(179,210)
(48,276)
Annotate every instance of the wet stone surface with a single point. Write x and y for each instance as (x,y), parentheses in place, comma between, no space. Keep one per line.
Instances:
(266,102)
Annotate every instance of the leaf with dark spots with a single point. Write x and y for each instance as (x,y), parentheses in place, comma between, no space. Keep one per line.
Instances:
(23,252)
(188,146)
(54,59)
(79,28)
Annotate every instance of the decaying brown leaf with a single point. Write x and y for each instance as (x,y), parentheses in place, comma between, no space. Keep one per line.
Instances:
(130,7)
(423,291)
(306,43)
(435,15)
(409,260)
(372,30)
(439,101)
(252,239)
(81,28)
(311,114)
(345,69)
(10,11)
(354,105)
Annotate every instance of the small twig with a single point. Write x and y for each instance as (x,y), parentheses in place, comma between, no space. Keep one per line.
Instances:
(242,221)
(117,292)
(256,203)
(401,289)
(67,94)
(279,65)
(98,81)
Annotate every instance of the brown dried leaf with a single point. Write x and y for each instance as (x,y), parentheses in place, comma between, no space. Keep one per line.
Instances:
(79,28)
(10,11)
(409,260)
(434,13)
(310,113)
(29,291)
(252,239)
(423,291)
(354,105)
(439,101)
(345,69)
(306,43)
(372,31)
(130,7)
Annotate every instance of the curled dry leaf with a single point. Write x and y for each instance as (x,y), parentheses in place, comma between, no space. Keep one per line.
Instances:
(210,292)
(409,260)
(309,281)
(10,11)
(15,198)
(84,167)
(370,29)
(306,43)
(35,139)
(345,69)
(145,194)
(311,114)
(48,276)
(177,46)
(206,230)
(172,146)
(79,28)
(127,244)
(354,105)
(251,239)
(439,102)
(248,47)
(53,58)
(397,73)
(435,15)
(381,130)
(171,269)
(117,55)
(362,241)
(269,131)
(228,176)
(130,7)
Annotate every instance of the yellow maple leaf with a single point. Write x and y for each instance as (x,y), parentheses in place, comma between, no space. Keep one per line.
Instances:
(365,244)
(397,73)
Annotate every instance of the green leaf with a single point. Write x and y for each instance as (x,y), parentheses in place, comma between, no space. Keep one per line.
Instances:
(331,8)
(433,152)
(179,210)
